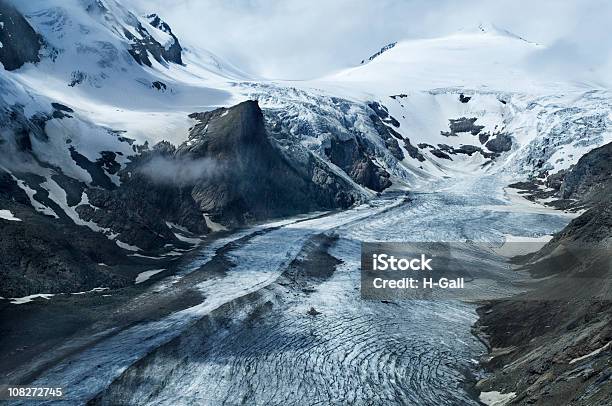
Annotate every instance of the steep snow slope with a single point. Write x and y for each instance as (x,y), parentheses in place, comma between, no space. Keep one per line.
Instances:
(485,58)
(113,66)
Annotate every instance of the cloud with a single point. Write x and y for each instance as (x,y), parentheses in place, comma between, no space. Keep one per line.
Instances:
(182,172)
(299,39)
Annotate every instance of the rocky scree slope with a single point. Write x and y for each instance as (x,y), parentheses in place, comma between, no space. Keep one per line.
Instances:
(551,345)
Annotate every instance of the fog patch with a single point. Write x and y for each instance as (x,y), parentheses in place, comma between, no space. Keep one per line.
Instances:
(184,171)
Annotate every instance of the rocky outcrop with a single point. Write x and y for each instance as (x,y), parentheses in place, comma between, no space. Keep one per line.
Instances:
(145,44)
(19,43)
(588,178)
(377,54)
(41,254)
(551,345)
(172,51)
(462,125)
(413,151)
(464,99)
(584,184)
(138,210)
(556,350)
(501,143)
(445,151)
(352,159)
(249,178)
(383,113)
(383,123)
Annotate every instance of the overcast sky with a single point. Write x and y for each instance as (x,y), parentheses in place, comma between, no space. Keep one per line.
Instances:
(308,38)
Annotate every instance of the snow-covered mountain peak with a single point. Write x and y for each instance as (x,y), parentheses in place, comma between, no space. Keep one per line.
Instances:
(493,29)
(474,59)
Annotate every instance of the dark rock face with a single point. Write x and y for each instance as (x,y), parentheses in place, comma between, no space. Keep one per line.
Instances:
(587,179)
(138,210)
(438,153)
(20,43)
(19,129)
(43,254)
(462,125)
(9,190)
(229,169)
(364,172)
(444,150)
(61,107)
(464,99)
(389,135)
(173,52)
(377,54)
(162,53)
(352,159)
(161,86)
(501,143)
(548,343)
(413,151)
(383,113)
(585,184)
(252,178)
(95,169)
(483,137)
(552,348)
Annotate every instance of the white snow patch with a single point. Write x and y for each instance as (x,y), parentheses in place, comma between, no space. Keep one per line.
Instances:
(214,226)
(495,398)
(143,256)
(144,276)
(597,351)
(178,227)
(519,204)
(58,195)
(8,215)
(90,291)
(27,299)
(521,245)
(126,246)
(189,240)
